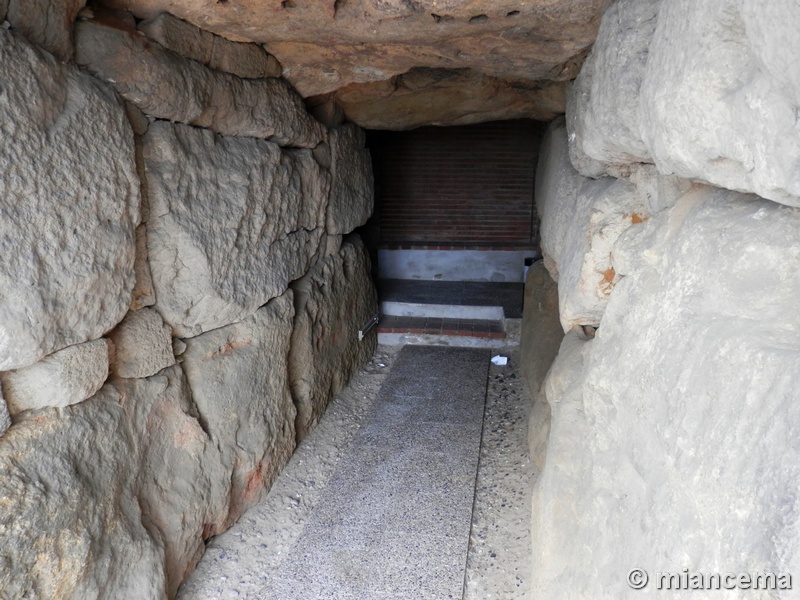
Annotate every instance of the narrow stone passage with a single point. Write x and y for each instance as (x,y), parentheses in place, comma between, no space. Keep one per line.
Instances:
(395,519)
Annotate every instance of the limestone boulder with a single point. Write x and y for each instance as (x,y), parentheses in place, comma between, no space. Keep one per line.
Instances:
(250,61)
(541,332)
(142,345)
(425,96)
(128,477)
(65,377)
(703,90)
(325,46)
(167,86)
(332,302)
(69,199)
(352,184)
(581,219)
(719,99)
(182,484)
(603,104)
(239,380)
(675,430)
(46,23)
(242,220)
(556,178)
(70,522)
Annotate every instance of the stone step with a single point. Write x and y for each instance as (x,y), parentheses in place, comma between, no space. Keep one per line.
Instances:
(479,328)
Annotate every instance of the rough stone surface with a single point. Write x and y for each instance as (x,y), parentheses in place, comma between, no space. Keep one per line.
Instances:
(332,302)
(143,292)
(5,417)
(540,338)
(70,523)
(375,40)
(46,23)
(603,105)
(244,60)
(66,377)
(541,332)
(555,179)
(239,379)
(352,185)
(580,221)
(720,96)
(69,200)
(674,441)
(142,345)
(3,9)
(182,485)
(242,220)
(425,96)
(704,90)
(168,86)
(326,46)
(126,478)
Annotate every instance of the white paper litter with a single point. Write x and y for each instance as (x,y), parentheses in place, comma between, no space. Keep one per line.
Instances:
(500,361)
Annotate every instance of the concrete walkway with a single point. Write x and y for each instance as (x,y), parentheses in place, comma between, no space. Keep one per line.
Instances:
(394,520)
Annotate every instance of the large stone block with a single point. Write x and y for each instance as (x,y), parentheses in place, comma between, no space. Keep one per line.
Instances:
(46,23)
(70,522)
(244,60)
(603,104)
(168,86)
(65,377)
(182,485)
(69,200)
(332,302)
(678,438)
(243,219)
(704,90)
(353,186)
(541,332)
(142,345)
(556,179)
(720,96)
(126,478)
(239,379)
(581,219)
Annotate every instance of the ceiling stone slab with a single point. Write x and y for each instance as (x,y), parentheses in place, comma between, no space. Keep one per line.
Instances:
(330,46)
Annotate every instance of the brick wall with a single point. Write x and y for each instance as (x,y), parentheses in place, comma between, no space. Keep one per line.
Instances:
(470,185)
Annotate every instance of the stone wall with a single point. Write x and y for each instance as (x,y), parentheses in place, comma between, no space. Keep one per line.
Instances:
(674,430)
(177,303)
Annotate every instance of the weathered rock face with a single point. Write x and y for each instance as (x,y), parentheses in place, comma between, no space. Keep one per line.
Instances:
(244,60)
(69,199)
(425,96)
(65,377)
(143,293)
(604,101)
(168,86)
(704,90)
(46,23)
(126,478)
(5,417)
(352,184)
(326,47)
(239,377)
(142,345)
(241,220)
(68,497)
(675,433)
(332,302)
(182,485)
